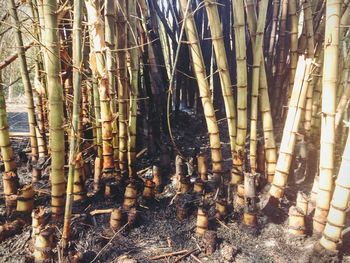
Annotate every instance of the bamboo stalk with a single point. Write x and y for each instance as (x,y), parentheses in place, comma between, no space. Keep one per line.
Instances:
(110,33)
(134,63)
(341,107)
(272,42)
(75,136)
(97,64)
(122,84)
(242,82)
(223,68)
(257,61)
(199,69)
(329,85)
(290,130)
(264,103)
(292,10)
(27,86)
(9,177)
(53,69)
(332,233)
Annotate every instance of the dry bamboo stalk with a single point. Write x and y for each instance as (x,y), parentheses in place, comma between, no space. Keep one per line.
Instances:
(241,61)
(97,64)
(223,68)
(290,130)
(199,69)
(332,233)
(122,84)
(329,85)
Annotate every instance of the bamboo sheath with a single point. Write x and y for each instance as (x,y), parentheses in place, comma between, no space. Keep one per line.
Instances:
(223,68)
(241,62)
(110,39)
(55,91)
(290,130)
(26,83)
(332,233)
(134,63)
(75,136)
(329,86)
(204,90)
(122,85)
(97,64)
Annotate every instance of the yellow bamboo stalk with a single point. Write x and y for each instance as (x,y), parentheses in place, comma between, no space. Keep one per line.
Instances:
(241,62)
(290,130)
(204,90)
(336,219)
(329,86)
(223,68)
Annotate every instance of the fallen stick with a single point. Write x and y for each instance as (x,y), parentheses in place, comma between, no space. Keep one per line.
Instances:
(140,153)
(196,259)
(186,255)
(100,211)
(169,254)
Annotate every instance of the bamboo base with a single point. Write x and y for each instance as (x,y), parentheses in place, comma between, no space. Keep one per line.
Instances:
(202,221)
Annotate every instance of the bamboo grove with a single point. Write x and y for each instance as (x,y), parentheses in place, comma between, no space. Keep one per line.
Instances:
(110,80)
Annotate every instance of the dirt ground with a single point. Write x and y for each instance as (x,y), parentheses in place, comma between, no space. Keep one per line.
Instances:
(157,231)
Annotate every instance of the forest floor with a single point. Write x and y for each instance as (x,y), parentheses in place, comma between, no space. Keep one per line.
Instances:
(157,230)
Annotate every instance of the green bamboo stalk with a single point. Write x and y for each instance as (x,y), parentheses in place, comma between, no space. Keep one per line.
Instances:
(27,85)
(134,63)
(122,85)
(9,176)
(75,137)
(110,33)
(55,90)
